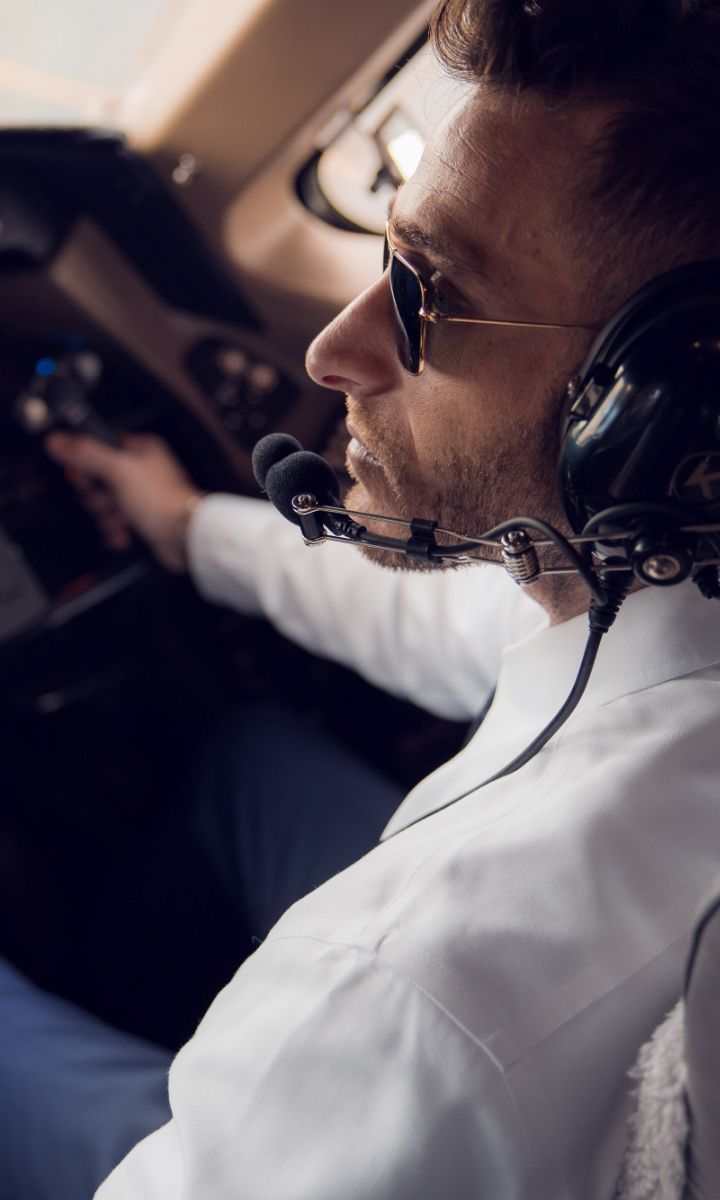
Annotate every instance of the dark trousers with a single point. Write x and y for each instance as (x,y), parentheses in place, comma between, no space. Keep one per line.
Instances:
(272,810)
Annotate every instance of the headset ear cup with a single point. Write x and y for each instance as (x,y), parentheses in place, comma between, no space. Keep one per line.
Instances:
(643,413)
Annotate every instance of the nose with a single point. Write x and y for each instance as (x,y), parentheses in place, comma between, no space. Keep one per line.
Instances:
(356,352)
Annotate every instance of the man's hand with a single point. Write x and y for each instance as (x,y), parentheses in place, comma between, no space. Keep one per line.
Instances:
(140,487)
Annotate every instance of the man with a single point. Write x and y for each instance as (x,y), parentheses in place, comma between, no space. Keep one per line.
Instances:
(454,1014)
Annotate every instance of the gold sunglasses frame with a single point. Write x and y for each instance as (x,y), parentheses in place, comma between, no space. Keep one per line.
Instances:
(428,317)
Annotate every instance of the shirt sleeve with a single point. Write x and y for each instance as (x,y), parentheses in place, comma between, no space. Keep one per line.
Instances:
(351,1082)
(434,637)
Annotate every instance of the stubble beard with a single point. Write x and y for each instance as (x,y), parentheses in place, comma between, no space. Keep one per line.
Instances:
(474,491)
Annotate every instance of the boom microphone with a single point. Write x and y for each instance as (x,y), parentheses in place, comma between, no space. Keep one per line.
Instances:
(660,543)
(269,451)
(304,488)
(301,473)
(287,472)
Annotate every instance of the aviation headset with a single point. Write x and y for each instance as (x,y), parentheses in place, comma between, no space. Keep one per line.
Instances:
(641,426)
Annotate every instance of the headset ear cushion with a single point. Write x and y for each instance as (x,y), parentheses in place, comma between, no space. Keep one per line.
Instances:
(647,396)
(689,286)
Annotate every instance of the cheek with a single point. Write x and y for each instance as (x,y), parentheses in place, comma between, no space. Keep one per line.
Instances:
(449,424)
(479,365)
(465,396)
(487,380)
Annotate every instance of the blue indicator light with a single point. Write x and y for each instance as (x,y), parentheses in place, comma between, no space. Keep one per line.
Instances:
(45,366)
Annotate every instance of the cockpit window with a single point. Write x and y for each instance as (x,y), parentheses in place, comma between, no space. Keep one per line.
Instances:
(364,156)
(67,62)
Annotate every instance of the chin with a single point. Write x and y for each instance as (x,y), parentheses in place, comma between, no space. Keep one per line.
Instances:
(357,496)
(370,492)
(368,500)
(361,498)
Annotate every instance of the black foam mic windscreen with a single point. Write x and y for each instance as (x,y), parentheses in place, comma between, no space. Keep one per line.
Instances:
(271,450)
(298,473)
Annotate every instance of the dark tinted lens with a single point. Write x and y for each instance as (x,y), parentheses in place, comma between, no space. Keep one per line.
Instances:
(408,299)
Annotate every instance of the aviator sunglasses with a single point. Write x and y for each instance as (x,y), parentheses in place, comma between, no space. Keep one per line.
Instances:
(414,310)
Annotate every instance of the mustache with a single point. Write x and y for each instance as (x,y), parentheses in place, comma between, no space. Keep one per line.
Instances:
(379,438)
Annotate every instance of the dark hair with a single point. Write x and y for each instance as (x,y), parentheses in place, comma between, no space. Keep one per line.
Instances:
(655,171)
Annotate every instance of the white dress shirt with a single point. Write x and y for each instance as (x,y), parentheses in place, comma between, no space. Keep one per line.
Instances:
(453,1016)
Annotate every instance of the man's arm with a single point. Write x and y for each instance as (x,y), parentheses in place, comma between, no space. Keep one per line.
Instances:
(433,637)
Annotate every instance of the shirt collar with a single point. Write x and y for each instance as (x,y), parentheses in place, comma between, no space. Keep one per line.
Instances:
(659,634)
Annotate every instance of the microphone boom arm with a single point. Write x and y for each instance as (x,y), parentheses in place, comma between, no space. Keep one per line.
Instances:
(517,551)
(661,543)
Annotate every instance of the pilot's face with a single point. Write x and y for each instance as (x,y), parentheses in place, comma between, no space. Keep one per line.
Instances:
(473,439)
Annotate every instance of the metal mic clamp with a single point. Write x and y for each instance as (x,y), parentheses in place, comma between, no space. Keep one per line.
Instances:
(519,557)
(311,524)
(421,543)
